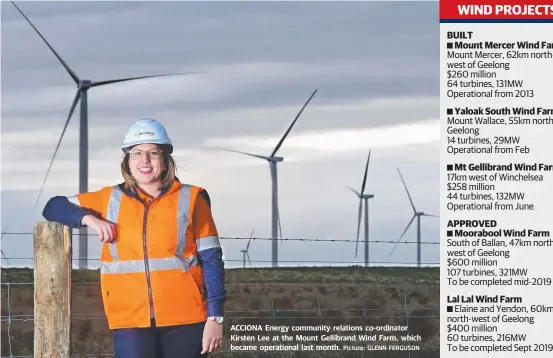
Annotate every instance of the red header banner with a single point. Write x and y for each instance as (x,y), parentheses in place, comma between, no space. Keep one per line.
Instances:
(496,10)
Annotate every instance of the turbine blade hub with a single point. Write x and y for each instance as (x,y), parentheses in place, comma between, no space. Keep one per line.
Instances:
(85,84)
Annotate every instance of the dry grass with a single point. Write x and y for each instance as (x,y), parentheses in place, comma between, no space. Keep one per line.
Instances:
(333,295)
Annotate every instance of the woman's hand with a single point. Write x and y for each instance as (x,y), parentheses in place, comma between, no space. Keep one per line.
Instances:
(213,336)
(104,229)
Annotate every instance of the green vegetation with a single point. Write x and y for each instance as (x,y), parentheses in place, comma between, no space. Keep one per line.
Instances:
(282,296)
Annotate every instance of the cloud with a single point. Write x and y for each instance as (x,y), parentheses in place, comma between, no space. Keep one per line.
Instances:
(344,140)
(232,86)
(188,131)
(36,147)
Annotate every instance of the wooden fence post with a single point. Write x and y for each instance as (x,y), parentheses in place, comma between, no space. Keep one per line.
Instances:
(52,276)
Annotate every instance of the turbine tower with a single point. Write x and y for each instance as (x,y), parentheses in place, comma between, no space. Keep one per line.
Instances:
(81,95)
(273,161)
(245,252)
(417,214)
(363,198)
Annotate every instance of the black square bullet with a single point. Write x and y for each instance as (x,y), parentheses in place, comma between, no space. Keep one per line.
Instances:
(449,111)
(449,308)
(450,167)
(449,233)
(450,45)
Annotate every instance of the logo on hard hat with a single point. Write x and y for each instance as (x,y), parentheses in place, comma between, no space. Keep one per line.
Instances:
(140,134)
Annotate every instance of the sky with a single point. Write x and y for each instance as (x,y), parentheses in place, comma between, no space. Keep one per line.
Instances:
(375,66)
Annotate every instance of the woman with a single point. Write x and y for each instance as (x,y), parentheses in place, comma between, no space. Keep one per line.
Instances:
(162,274)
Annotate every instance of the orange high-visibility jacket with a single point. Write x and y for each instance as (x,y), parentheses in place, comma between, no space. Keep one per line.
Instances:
(153,268)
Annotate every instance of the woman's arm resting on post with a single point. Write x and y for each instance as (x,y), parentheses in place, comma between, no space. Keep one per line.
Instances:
(60,209)
(70,211)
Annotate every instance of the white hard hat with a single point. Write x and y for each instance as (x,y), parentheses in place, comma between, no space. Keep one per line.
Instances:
(146,130)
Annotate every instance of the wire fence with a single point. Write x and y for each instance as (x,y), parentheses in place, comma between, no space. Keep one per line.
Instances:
(280,239)
(11,259)
(332,295)
(415,306)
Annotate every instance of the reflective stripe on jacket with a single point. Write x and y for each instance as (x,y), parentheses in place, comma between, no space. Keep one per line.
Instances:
(166,260)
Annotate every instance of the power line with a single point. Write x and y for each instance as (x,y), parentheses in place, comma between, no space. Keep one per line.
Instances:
(280,284)
(283,239)
(280,261)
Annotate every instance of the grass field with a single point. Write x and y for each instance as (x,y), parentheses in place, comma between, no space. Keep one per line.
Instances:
(284,296)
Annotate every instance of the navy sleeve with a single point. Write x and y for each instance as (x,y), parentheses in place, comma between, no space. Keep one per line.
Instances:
(210,255)
(60,209)
(213,269)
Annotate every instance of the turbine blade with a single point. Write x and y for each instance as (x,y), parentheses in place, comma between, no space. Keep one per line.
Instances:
(355,191)
(407,190)
(432,216)
(71,110)
(2,251)
(292,124)
(4,256)
(237,151)
(249,261)
(365,176)
(404,231)
(108,82)
(67,68)
(248,246)
(358,225)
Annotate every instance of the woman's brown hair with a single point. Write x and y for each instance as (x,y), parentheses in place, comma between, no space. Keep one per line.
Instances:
(167,176)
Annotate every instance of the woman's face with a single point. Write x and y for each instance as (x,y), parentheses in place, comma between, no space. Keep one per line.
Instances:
(146,163)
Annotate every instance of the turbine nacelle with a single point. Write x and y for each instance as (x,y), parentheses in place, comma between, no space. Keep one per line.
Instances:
(421,213)
(359,195)
(84,84)
(275,159)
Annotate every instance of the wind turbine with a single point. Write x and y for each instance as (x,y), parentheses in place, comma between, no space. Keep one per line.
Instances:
(245,252)
(81,95)
(363,198)
(417,214)
(273,160)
